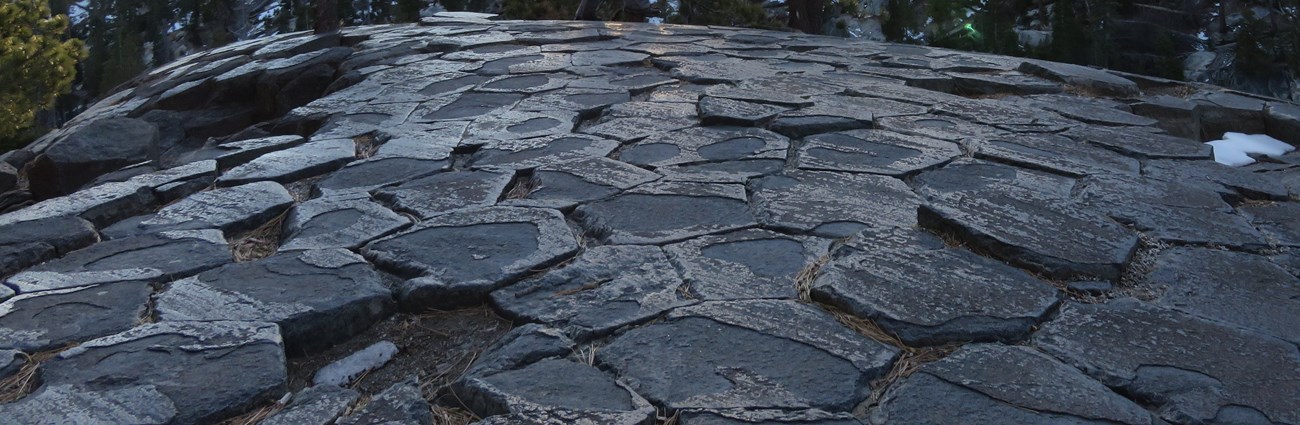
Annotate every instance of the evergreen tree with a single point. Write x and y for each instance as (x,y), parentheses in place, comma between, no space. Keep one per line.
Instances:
(37,63)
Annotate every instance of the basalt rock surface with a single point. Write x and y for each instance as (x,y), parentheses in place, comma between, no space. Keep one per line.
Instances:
(700,225)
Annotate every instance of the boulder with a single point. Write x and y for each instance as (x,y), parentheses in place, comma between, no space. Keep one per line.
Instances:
(92,150)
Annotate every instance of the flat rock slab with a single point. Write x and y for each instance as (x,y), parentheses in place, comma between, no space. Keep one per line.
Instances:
(371,174)
(874,151)
(1191,369)
(1232,287)
(317,297)
(542,151)
(26,244)
(45,320)
(231,210)
(458,258)
(445,193)
(1091,78)
(401,403)
(912,286)
(1178,212)
(554,389)
(182,365)
(285,166)
(1056,154)
(241,152)
(748,354)
(1276,221)
(832,204)
(998,384)
(566,185)
(606,288)
(705,144)
(666,212)
(1135,142)
(156,257)
(317,405)
(108,203)
(346,220)
(744,416)
(745,264)
(1025,218)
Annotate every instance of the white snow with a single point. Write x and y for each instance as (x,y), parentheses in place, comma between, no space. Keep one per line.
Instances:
(348,368)
(1234,149)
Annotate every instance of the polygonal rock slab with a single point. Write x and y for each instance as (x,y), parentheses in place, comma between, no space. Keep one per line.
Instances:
(143,405)
(155,257)
(552,391)
(402,403)
(745,264)
(242,151)
(1232,287)
(1279,221)
(1171,211)
(1140,144)
(519,347)
(1233,183)
(832,204)
(231,210)
(378,172)
(998,384)
(666,212)
(447,192)
(1024,217)
(720,111)
(316,297)
(317,405)
(1005,115)
(606,288)
(285,166)
(45,320)
(1091,78)
(563,186)
(1089,110)
(874,151)
(705,144)
(28,243)
(1049,152)
(912,286)
(775,417)
(532,153)
(460,257)
(108,203)
(748,354)
(1189,369)
(347,220)
(188,363)
(513,125)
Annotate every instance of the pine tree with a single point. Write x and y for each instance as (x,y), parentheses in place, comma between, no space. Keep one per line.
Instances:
(36,63)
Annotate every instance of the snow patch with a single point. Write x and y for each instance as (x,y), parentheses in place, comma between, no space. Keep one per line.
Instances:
(343,371)
(1235,148)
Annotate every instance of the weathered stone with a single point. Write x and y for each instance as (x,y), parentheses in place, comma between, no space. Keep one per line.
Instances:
(230,210)
(1055,154)
(469,105)
(26,244)
(67,404)
(1175,115)
(317,405)
(110,202)
(1222,111)
(991,84)
(720,111)
(458,258)
(542,151)
(746,264)
(90,151)
(637,215)
(513,125)
(555,388)
(776,417)
(53,319)
(401,403)
(874,151)
(8,177)
(1276,221)
(1282,120)
(1232,183)
(187,363)
(1090,110)
(997,384)
(1089,78)
(1025,218)
(606,288)
(285,166)
(347,220)
(1189,369)
(374,173)
(566,185)
(1004,115)
(445,193)
(318,298)
(916,289)
(706,144)
(241,152)
(748,354)
(832,204)
(1171,211)
(520,347)
(154,257)
(11,361)
(1237,288)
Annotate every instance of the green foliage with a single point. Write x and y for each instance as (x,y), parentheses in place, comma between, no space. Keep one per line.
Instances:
(734,13)
(36,63)
(539,9)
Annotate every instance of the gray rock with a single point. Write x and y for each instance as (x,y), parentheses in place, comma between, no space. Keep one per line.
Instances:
(1090,110)
(520,347)
(241,152)
(374,173)
(940,127)
(46,320)
(1175,115)
(606,288)
(348,369)
(555,388)
(1189,369)
(874,151)
(68,404)
(1223,111)
(924,293)
(1025,218)
(746,264)
(25,244)
(1092,79)
(748,354)
(1282,121)
(1233,183)
(1242,289)
(637,216)
(1174,212)
(317,405)
(832,204)
(8,177)
(318,298)
(155,257)
(458,258)
(1010,83)
(513,125)
(566,185)
(231,210)
(720,111)
(1055,154)
(94,149)
(188,363)
(11,361)
(1277,221)
(469,105)
(108,203)
(445,193)
(346,220)
(401,403)
(285,166)
(532,153)
(1005,115)
(742,416)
